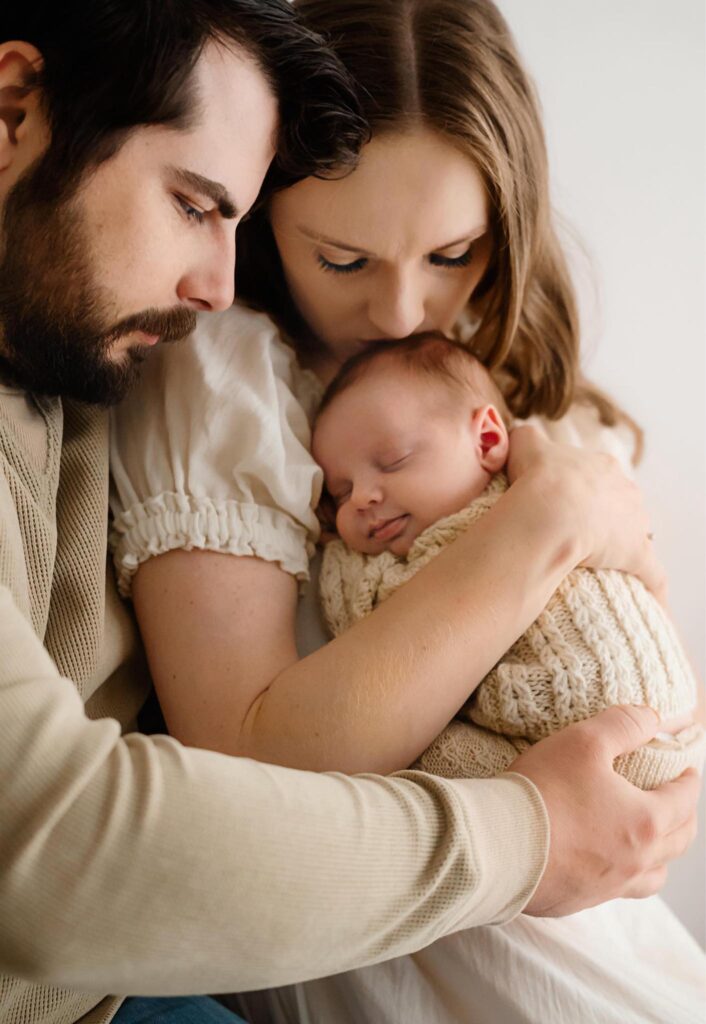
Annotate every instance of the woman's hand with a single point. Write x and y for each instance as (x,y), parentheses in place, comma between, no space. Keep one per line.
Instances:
(591,491)
(608,839)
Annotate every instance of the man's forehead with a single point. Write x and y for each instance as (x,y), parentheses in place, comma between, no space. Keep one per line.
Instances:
(221,152)
(228,81)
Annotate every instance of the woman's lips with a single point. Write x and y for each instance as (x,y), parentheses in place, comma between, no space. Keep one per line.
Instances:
(389,529)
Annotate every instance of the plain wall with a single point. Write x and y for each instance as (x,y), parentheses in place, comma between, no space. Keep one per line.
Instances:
(623,88)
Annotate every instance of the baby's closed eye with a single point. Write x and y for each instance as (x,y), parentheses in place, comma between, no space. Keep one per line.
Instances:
(391,463)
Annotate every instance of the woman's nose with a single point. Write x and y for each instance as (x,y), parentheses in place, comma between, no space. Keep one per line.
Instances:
(397,307)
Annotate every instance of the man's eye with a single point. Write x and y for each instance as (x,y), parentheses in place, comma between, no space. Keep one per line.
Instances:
(191,212)
(437,260)
(342,268)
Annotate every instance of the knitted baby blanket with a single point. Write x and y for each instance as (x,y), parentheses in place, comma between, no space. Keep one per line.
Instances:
(602,640)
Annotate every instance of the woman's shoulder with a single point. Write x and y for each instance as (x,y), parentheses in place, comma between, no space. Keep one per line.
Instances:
(211,450)
(228,355)
(237,337)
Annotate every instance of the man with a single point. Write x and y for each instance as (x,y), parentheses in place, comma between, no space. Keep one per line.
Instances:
(133,137)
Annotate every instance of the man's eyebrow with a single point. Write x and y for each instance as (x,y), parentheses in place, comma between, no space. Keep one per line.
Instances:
(205,187)
(470,236)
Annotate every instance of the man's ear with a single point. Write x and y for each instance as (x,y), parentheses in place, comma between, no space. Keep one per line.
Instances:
(20,115)
(491,438)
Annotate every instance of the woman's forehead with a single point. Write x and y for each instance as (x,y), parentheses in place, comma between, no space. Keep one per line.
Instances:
(411,192)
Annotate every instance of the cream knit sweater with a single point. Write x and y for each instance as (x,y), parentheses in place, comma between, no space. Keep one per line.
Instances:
(601,640)
(130,864)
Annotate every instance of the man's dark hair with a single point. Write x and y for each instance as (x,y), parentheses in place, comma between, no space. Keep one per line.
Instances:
(113,65)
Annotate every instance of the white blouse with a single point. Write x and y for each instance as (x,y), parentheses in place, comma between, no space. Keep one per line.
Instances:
(211,450)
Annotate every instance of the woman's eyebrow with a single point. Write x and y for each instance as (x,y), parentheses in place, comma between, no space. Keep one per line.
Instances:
(315,237)
(212,190)
(469,236)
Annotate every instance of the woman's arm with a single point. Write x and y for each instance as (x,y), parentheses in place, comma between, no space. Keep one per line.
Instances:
(219,630)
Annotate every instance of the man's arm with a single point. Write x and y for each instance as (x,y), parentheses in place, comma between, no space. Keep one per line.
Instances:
(135,865)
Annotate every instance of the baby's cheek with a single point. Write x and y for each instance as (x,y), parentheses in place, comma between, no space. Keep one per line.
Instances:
(350,532)
(343,526)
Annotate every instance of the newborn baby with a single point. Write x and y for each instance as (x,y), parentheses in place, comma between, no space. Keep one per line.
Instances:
(412,438)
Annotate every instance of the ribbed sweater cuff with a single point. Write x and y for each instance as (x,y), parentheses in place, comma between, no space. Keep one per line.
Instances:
(509,826)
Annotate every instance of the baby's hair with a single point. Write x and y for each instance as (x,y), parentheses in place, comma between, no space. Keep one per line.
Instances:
(427,354)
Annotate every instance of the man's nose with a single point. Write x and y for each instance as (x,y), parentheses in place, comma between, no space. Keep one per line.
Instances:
(397,307)
(209,282)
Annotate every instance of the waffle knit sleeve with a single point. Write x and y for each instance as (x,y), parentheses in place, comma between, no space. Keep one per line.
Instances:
(134,865)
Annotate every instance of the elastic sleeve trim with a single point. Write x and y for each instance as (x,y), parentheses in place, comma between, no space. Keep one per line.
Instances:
(173,521)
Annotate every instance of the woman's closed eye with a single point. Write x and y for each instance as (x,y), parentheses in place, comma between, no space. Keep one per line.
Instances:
(342,268)
(436,259)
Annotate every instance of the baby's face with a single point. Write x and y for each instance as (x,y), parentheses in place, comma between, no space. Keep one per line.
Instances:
(398,453)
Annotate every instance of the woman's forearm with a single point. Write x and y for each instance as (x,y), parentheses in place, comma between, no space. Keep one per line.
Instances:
(220,636)
(374,698)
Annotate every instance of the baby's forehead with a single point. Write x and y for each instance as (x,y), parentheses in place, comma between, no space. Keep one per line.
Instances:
(366,417)
(389,382)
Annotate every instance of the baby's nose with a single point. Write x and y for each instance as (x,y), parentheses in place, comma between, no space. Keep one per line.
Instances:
(366,494)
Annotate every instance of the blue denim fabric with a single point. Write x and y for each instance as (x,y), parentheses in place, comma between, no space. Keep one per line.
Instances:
(175,1010)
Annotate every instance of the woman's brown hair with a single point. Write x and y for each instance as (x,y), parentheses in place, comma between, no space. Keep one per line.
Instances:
(452,65)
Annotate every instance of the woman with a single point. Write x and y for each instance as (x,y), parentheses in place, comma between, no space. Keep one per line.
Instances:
(444,225)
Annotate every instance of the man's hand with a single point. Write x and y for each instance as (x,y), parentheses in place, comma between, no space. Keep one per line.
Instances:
(608,838)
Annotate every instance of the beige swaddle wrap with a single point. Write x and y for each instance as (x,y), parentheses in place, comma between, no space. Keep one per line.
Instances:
(602,640)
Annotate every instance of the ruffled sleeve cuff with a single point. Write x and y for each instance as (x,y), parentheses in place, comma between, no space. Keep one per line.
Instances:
(173,521)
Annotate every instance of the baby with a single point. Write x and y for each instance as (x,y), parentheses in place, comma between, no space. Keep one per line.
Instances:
(412,438)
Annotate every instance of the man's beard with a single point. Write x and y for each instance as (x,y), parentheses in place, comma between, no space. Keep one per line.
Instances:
(55,331)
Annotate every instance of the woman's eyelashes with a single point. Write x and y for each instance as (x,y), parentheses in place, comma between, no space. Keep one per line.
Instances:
(435,258)
(342,268)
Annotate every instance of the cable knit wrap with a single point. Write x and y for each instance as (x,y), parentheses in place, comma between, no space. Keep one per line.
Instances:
(602,640)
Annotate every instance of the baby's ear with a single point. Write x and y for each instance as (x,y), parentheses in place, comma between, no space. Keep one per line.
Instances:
(491,438)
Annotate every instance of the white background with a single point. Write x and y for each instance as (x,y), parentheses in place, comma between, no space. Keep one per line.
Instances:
(623,88)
